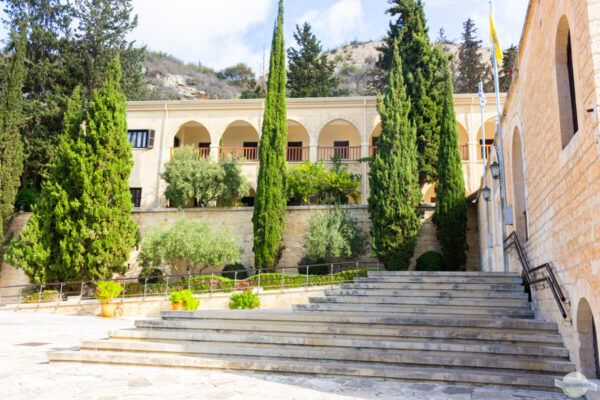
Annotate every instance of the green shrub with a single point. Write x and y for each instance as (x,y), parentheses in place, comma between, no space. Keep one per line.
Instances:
(312,183)
(189,246)
(313,267)
(150,275)
(190,303)
(244,301)
(430,261)
(176,297)
(106,291)
(190,177)
(235,271)
(334,234)
(46,296)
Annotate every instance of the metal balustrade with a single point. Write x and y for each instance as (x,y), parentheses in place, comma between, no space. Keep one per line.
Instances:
(157,287)
(344,153)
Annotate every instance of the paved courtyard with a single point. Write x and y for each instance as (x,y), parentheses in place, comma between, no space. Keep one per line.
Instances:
(26,374)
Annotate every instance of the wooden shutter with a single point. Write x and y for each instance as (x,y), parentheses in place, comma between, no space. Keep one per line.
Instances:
(150,143)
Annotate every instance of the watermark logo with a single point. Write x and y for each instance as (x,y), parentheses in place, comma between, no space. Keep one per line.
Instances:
(575,385)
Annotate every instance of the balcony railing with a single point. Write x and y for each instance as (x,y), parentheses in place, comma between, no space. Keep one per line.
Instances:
(239,153)
(488,149)
(297,154)
(464,151)
(346,153)
(201,152)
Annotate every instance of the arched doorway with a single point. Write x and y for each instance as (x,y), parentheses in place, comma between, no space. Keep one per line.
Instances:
(519,198)
(298,142)
(239,141)
(463,142)
(339,138)
(193,134)
(588,341)
(373,138)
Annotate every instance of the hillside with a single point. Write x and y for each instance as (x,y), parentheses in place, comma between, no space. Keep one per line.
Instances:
(171,79)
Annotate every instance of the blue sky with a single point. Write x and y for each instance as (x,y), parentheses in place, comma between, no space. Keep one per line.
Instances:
(220,33)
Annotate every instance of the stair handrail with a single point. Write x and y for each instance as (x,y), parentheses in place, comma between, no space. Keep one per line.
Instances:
(550,279)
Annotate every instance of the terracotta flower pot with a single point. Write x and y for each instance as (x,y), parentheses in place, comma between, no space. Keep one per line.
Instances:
(108,310)
(177,306)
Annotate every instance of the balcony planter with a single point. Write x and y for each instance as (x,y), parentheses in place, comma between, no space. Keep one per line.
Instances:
(177,306)
(105,293)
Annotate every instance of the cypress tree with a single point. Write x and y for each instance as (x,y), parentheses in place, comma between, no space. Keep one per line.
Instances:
(471,69)
(451,205)
(81,228)
(421,66)
(11,146)
(270,201)
(395,193)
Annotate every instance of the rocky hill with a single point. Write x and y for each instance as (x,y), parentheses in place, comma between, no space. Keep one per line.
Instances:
(172,79)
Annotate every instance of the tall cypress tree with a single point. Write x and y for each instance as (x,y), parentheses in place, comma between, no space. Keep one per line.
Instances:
(82,227)
(421,66)
(451,205)
(395,193)
(270,201)
(11,146)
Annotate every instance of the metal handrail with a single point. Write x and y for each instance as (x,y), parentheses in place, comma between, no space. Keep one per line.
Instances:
(137,287)
(551,280)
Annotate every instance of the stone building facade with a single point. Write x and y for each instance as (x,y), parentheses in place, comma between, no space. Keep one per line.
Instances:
(551,147)
(317,129)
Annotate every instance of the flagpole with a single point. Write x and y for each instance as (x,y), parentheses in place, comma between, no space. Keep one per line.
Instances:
(488,236)
(500,148)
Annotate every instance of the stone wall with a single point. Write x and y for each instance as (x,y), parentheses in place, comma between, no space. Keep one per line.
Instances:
(553,174)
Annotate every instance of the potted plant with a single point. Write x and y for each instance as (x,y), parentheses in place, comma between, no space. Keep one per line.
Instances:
(184,300)
(176,301)
(106,291)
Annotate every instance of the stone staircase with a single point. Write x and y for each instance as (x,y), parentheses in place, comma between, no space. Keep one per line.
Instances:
(453,328)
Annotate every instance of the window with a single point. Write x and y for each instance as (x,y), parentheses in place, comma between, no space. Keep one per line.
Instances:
(136,196)
(251,151)
(141,139)
(294,151)
(342,149)
(565,83)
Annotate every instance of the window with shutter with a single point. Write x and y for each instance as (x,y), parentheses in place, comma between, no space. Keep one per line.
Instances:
(136,196)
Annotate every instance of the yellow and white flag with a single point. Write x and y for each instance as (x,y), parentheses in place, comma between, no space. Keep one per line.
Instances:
(495,40)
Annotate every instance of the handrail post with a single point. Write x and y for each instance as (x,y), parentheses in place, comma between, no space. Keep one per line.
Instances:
(258,286)
(40,294)
(20,294)
(282,279)
(331,276)
(234,281)
(123,295)
(167,287)
(307,283)
(145,286)
(211,283)
(189,280)
(60,294)
(81,293)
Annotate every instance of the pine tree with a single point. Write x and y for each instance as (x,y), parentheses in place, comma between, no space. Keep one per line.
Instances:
(310,73)
(82,227)
(11,146)
(508,62)
(451,205)
(471,69)
(421,66)
(393,177)
(270,200)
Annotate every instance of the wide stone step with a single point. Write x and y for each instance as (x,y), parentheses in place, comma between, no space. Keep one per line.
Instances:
(330,341)
(313,367)
(269,316)
(381,332)
(498,303)
(444,273)
(422,310)
(473,295)
(201,349)
(505,280)
(433,286)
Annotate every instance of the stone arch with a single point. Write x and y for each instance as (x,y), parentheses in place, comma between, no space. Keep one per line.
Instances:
(339,137)
(490,135)
(588,340)
(565,82)
(239,139)
(191,133)
(519,188)
(463,141)
(298,142)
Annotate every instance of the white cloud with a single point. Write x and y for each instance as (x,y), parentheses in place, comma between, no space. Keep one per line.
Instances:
(340,23)
(212,32)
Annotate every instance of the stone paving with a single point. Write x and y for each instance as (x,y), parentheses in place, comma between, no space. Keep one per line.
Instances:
(26,374)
